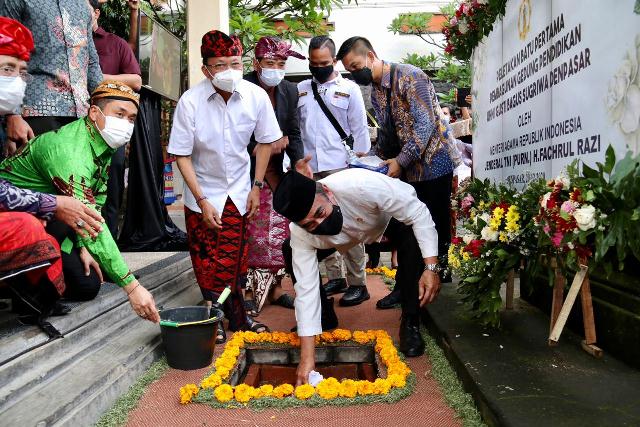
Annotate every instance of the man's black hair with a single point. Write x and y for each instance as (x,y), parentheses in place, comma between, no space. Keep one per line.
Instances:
(357,44)
(320,42)
(95,4)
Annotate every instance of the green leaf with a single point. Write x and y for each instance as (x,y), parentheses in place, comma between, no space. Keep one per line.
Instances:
(610,160)
(472,279)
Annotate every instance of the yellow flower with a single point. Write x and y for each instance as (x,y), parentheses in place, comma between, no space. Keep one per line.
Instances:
(342,335)
(305,391)
(212,381)
(512,219)
(360,337)
(326,337)
(496,219)
(381,386)
(466,256)
(397,380)
(223,372)
(265,390)
(187,392)
(328,388)
(503,237)
(250,337)
(348,388)
(365,388)
(243,393)
(282,390)
(223,393)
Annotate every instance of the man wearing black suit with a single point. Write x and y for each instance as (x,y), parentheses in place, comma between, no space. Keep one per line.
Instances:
(271,55)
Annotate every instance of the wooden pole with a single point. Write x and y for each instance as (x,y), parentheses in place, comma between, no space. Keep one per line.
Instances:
(558,295)
(588,344)
(568,304)
(509,291)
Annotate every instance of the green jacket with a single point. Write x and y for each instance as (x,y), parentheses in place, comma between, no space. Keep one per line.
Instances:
(72,161)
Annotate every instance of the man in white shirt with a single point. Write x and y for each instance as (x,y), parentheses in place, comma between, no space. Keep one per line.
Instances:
(326,146)
(343,210)
(212,128)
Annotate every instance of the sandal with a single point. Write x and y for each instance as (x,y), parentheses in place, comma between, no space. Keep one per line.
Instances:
(250,307)
(256,327)
(284,300)
(221,335)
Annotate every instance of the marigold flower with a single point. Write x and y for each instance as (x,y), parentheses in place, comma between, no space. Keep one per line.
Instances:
(360,337)
(266,390)
(328,388)
(365,388)
(342,335)
(223,393)
(243,393)
(282,390)
(348,388)
(212,381)
(304,391)
(187,392)
(397,380)
(381,386)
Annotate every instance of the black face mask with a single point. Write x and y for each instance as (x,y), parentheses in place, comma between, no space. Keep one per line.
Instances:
(331,225)
(363,76)
(321,74)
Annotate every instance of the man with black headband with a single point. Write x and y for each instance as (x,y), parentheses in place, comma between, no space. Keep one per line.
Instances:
(332,116)
(343,210)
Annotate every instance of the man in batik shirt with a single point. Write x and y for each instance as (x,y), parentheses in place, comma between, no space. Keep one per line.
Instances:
(427,154)
(64,67)
(74,161)
(30,261)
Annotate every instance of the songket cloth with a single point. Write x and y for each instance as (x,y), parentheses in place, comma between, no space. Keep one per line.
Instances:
(219,259)
(265,234)
(25,247)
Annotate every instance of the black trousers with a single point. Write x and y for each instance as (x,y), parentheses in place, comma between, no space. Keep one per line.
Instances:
(287,253)
(410,264)
(115,190)
(79,286)
(44,124)
(436,194)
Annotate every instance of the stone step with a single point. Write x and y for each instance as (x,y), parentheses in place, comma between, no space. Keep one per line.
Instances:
(19,376)
(28,338)
(72,381)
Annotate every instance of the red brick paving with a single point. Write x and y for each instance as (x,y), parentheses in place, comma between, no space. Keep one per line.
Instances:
(425,407)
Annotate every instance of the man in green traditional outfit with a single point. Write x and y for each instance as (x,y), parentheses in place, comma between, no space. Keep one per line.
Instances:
(74,161)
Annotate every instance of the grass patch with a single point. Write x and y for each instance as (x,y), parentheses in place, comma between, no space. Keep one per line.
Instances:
(119,412)
(451,387)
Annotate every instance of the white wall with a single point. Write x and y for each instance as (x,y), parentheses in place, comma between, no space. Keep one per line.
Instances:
(370,19)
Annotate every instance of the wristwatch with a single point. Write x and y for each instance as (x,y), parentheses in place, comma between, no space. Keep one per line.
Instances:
(434,268)
(259,184)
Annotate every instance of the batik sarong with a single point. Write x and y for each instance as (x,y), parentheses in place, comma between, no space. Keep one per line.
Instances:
(266,232)
(219,259)
(26,248)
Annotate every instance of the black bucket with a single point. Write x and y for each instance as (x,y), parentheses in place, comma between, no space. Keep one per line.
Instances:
(189,346)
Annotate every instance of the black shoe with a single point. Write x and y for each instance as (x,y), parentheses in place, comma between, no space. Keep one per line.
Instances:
(335,286)
(354,295)
(411,342)
(328,317)
(390,301)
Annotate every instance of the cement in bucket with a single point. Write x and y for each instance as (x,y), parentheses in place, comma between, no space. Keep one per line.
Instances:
(189,347)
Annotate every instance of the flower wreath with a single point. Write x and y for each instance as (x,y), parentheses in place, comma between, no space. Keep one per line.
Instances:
(215,389)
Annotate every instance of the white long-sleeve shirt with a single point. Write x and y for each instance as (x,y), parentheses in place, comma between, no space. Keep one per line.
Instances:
(368,200)
(216,134)
(344,99)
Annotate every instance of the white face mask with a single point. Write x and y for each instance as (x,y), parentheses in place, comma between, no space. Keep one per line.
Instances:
(271,76)
(117,132)
(227,80)
(446,119)
(11,94)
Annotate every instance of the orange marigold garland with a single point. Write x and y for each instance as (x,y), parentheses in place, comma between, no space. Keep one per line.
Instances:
(329,389)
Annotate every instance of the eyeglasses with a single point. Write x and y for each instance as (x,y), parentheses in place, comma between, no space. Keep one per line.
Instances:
(9,71)
(223,67)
